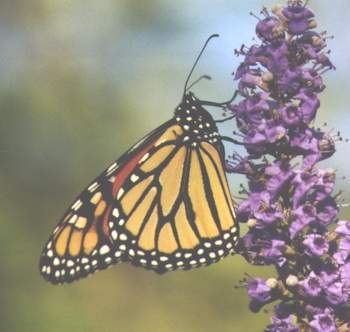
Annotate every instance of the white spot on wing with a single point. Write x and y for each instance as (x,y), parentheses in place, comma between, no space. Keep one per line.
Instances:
(112,168)
(120,193)
(123,237)
(104,250)
(77,205)
(144,158)
(114,234)
(72,219)
(70,263)
(93,187)
(115,212)
(134,178)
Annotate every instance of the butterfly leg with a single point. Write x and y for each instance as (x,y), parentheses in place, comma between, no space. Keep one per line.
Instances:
(220,105)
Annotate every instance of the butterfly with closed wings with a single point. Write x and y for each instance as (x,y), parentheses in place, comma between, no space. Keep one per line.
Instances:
(164,205)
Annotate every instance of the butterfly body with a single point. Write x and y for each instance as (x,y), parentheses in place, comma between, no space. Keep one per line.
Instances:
(164,205)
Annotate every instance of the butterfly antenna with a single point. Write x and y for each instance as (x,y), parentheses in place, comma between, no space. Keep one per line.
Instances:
(198,57)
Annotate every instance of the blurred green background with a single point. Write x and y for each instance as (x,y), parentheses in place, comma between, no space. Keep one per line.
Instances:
(80,82)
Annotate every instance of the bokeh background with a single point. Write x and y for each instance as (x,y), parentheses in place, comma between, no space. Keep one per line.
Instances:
(80,82)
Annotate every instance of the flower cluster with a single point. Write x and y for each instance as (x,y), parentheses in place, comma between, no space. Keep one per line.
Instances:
(291,208)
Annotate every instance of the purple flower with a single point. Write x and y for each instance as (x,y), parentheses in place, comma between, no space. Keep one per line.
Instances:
(269,29)
(343,253)
(269,215)
(290,81)
(311,285)
(345,275)
(258,290)
(301,218)
(274,249)
(343,228)
(264,134)
(328,277)
(306,143)
(256,202)
(325,184)
(279,174)
(251,110)
(336,294)
(309,101)
(327,211)
(290,115)
(324,322)
(315,245)
(302,183)
(298,18)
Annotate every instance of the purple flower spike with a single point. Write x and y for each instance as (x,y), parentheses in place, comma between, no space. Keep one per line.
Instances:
(290,207)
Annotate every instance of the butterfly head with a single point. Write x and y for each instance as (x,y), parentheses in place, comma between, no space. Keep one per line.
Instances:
(196,122)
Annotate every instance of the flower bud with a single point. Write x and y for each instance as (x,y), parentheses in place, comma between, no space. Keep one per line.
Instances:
(277,9)
(270,29)
(292,280)
(271,283)
(326,146)
(251,223)
(267,76)
(312,24)
(317,41)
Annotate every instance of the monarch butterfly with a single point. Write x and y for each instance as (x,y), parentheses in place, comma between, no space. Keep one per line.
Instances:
(164,205)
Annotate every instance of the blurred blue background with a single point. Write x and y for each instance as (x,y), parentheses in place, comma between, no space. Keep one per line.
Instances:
(80,82)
